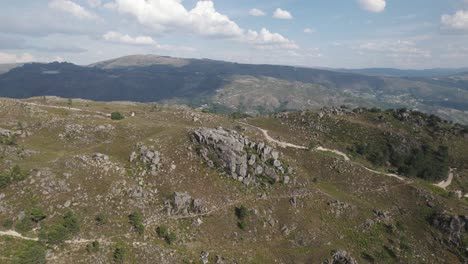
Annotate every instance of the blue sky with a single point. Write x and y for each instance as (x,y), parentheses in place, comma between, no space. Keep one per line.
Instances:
(315,33)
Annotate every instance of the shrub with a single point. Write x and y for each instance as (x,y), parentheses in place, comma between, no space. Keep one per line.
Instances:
(119,254)
(13,175)
(35,254)
(57,234)
(93,247)
(101,219)
(162,231)
(136,220)
(242,224)
(117,116)
(24,225)
(171,238)
(62,231)
(70,222)
(241,212)
(37,214)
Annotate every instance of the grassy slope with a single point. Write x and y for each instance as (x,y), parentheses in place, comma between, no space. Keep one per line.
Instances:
(319,178)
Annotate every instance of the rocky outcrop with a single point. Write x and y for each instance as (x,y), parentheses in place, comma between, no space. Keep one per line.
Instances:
(340,257)
(454,226)
(148,156)
(242,158)
(183,204)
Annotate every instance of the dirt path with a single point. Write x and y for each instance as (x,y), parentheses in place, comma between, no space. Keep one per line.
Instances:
(66,108)
(272,140)
(446,183)
(337,152)
(15,234)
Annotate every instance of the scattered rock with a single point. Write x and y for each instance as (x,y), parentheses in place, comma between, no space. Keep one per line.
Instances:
(454,226)
(149,157)
(341,257)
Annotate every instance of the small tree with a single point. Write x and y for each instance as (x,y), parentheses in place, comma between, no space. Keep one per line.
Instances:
(70,102)
(119,254)
(136,220)
(117,116)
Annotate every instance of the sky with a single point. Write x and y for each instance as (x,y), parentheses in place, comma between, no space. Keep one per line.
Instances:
(408,34)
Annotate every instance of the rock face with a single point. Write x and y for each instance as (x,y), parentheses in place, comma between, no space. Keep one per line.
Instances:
(454,226)
(149,157)
(240,157)
(341,257)
(184,204)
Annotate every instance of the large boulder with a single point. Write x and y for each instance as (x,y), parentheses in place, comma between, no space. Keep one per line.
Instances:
(242,158)
(183,204)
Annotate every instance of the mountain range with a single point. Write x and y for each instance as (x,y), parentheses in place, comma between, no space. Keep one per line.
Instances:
(233,87)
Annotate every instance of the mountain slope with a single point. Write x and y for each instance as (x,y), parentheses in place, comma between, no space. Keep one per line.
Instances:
(197,82)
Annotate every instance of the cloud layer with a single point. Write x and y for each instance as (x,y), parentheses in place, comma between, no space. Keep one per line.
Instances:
(375,6)
(73,9)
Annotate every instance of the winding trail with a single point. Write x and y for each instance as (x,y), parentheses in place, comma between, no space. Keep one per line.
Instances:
(446,183)
(337,152)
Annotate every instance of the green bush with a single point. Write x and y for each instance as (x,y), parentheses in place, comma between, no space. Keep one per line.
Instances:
(57,234)
(241,212)
(119,254)
(62,231)
(171,238)
(136,220)
(37,214)
(13,175)
(35,254)
(24,225)
(242,224)
(162,231)
(117,116)
(70,222)
(101,219)
(93,247)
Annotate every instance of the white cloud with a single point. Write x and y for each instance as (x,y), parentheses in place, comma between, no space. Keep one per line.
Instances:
(266,39)
(282,14)
(309,30)
(73,9)
(256,12)
(457,22)
(375,6)
(204,20)
(117,37)
(393,48)
(171,14)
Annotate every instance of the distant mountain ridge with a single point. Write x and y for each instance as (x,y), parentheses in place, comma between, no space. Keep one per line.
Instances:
(230,87)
